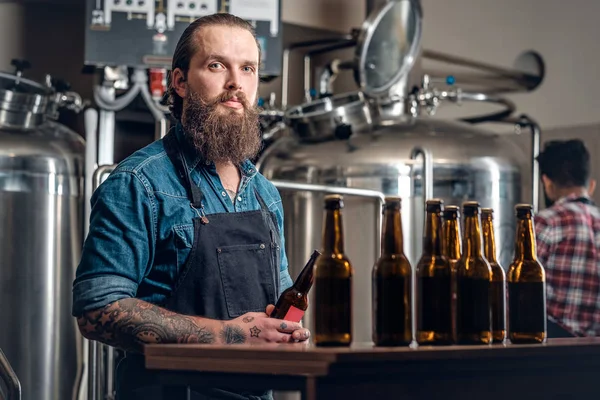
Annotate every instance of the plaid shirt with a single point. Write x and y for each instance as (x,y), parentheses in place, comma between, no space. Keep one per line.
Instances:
(568,246)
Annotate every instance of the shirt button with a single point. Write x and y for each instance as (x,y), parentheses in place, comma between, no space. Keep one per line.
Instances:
(250,170)
(223,194)
(239,198)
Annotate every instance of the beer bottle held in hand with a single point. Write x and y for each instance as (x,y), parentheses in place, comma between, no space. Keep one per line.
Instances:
(333,281)
(391,282)
(434,284)
(452,250)
(498,283)
(526,285)
(473,276)
(293,302)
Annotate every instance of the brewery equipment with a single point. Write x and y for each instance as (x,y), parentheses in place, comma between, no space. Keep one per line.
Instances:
(384,138)
(41,198)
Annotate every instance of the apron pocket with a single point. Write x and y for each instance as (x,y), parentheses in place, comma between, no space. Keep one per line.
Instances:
(247,277)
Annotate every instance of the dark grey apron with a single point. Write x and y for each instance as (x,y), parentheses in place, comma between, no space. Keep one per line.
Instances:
(232,269)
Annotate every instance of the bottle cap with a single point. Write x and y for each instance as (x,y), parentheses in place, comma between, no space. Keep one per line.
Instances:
(334,202)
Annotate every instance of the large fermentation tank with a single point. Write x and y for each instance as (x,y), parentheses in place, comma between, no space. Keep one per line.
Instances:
(383,141)
(41,184)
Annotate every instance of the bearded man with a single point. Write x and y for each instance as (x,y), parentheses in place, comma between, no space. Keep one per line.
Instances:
(186,242)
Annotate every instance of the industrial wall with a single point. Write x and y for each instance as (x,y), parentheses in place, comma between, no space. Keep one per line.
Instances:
(50,34)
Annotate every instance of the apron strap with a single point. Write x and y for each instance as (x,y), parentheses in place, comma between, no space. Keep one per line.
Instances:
(171,145)
(262,203)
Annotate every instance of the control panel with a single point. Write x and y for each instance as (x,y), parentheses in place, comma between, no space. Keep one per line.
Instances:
(144,33)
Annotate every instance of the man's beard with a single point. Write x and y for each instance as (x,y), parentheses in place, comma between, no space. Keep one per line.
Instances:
(218,133)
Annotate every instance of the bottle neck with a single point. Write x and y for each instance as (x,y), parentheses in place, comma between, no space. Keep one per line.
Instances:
(489,240)
(472,238)
(525,248)
(391,234)
(432,239)
(305,280)
(452,248)
(333,236)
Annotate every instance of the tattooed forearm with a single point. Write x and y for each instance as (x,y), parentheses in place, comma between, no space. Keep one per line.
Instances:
(233,334)
(131,323)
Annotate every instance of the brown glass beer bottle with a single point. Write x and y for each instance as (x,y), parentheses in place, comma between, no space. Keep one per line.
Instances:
(452,250)
(391,282)
(293,302)
(526,285)
(434,285)
(473,278)
(333,281)
(498,283)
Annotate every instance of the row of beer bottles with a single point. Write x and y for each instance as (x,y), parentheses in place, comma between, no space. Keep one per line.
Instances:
(460,292)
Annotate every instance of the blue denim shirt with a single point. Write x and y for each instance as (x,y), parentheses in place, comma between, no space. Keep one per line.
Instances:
(141,230)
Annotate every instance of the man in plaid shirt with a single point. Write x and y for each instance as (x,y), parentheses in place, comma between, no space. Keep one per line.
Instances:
(568,240)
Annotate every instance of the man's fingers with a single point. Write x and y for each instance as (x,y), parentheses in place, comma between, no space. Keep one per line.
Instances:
(270,309)
(286,326)
(301,334)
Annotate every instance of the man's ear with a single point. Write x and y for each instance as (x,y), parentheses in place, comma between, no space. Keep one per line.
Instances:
(546,181)
(179,82)
(592,187)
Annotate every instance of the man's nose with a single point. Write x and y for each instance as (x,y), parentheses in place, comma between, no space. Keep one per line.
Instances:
(233,83)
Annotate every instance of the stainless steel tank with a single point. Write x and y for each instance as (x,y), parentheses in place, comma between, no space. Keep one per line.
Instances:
(41,194)
(467,163)
(381,140)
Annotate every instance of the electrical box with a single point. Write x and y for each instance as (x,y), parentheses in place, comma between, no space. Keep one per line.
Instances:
(144,33)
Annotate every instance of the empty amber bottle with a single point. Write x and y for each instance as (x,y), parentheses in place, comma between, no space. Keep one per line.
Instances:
(333,281)
(391,287)
(498,283)
(526,285)
(452,249)
(473,283)
(293,302)
(434,298)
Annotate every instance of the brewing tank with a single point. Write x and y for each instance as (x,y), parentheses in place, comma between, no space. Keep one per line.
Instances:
(466,163)
(41,183)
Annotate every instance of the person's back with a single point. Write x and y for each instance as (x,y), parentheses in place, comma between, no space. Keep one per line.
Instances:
(568,240)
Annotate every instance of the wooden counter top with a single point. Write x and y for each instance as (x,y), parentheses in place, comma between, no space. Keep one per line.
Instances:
(572,364)
(308,359)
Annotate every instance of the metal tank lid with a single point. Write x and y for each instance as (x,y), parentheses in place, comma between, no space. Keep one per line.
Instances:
(386,49)
(387,46)
(24,104)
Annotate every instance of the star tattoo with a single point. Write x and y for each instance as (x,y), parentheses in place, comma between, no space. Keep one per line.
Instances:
(283,325)
(254,331)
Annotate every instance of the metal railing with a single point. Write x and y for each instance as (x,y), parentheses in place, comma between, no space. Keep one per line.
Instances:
(7,374)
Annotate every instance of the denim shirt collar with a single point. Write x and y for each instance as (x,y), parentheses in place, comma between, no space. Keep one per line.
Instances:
(193,159)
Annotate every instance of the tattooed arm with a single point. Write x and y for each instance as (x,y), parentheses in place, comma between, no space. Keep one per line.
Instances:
(131,323)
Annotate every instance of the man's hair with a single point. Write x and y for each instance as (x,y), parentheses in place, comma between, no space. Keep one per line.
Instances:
(565,162)
(186,48)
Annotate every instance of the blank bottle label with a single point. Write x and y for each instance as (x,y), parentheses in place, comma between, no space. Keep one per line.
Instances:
(435,304)
(393,304)
(527,307)
(333,313)
(498,296)
(473,305)
(294,314)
